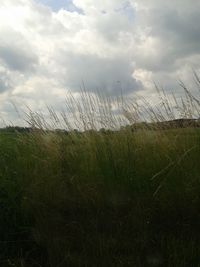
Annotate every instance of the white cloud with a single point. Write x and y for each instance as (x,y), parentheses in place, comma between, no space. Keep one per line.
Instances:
(94,7)
(44,53)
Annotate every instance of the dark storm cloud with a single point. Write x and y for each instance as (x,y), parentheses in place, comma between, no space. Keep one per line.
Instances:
(175,30)
(181,30)
(99,73)
(16,52)
(18,59)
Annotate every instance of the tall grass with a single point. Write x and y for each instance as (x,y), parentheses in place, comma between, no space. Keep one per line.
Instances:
(120,190)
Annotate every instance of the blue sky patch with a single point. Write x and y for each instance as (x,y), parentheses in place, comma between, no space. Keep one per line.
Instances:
(126,9)
(56,5)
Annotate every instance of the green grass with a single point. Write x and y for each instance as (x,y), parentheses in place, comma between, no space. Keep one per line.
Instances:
(100,198)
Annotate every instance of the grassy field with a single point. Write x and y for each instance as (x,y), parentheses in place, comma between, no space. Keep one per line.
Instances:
(100,198)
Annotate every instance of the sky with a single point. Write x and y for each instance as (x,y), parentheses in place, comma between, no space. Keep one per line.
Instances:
(49,48)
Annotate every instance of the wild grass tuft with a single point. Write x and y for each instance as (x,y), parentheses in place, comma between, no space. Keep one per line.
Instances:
(117,186)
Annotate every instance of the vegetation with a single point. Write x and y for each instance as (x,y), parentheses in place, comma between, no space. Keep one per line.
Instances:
(121,190)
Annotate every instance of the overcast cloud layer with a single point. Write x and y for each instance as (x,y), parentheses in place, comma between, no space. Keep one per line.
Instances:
(49,47)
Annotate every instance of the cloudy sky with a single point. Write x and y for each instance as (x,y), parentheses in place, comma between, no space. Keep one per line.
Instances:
(51,47)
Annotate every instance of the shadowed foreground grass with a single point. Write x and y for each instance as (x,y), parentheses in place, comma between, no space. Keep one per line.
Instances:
(100,198)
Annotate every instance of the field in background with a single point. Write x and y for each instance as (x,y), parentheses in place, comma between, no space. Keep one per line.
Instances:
(128,196)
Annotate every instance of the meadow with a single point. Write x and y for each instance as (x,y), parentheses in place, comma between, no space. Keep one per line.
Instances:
(117,196)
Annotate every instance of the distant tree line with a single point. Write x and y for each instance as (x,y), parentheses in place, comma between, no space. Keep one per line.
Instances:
(162,125)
